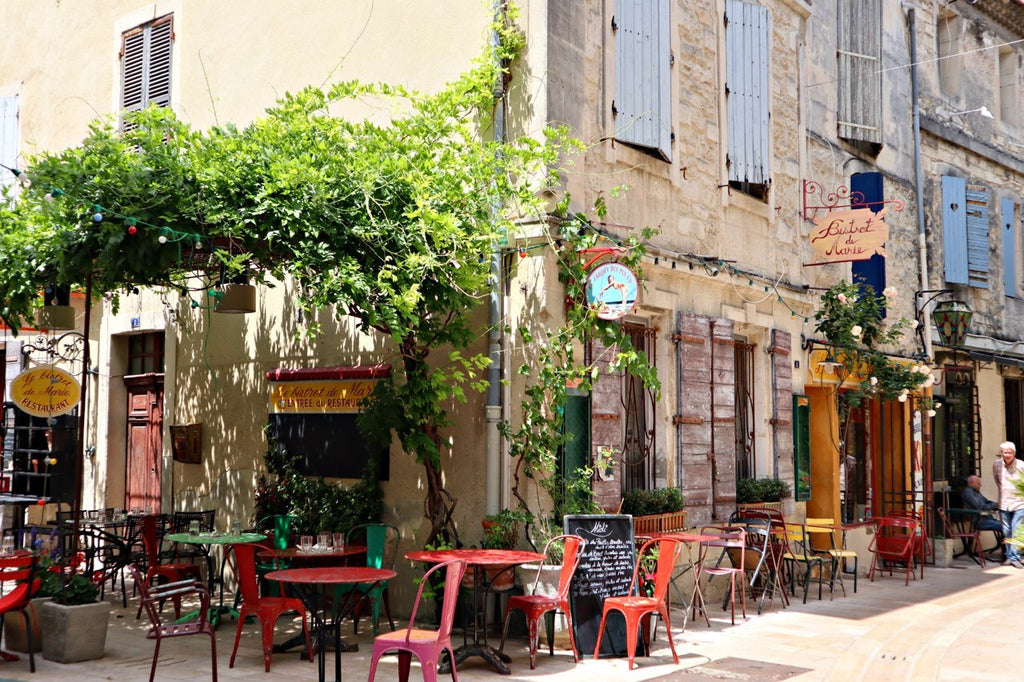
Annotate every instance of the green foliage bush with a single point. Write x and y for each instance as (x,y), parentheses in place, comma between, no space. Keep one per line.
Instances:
(761,490)
(645,502)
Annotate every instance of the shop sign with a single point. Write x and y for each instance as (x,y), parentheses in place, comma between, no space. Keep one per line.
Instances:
(824,375)
(325,397)
(45,391)
(611,290)
(848,235)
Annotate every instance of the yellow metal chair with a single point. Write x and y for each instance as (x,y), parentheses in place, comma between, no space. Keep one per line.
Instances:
(840,555)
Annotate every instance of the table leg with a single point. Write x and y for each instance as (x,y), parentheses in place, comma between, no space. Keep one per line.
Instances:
(479,646)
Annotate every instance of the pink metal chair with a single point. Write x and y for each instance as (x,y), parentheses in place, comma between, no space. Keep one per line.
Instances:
(534,605)
(267,609)
(426,645)
(634,607)
(730,545)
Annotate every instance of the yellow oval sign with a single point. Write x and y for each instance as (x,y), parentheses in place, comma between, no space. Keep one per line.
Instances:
(45,391)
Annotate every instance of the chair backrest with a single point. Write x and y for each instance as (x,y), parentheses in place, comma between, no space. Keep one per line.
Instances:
(281,525)
(245,570)
(894,537)
(147,600)
(965,521)
(454,570)
(21,569)
(180,520)
(821,531)
(381,543)
(731,539)
(572,552)
(151,527)
(759,537)
(668,551)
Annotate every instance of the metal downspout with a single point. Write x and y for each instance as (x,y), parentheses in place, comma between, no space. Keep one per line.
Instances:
(922,244)
(679,400)
(493,471)
(714,463)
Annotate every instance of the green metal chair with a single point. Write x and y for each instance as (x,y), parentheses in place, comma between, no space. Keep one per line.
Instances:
(381,552)
(283,526)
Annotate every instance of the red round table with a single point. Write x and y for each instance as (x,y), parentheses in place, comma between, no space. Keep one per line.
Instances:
(478,560)
(313,586)
(299,559)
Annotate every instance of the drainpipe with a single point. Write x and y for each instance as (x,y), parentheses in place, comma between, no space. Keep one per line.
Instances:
(922,244)
(713,457)
(493,476)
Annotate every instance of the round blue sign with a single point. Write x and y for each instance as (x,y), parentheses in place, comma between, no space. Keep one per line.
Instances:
(611,290)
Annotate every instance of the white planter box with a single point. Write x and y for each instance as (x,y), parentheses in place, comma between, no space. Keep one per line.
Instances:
(74,633)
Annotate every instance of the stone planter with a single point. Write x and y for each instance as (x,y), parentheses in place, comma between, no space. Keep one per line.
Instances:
(74,633)
(944,551)
(15,635)
(526,575)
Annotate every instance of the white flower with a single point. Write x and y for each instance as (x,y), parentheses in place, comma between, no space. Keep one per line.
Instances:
(913,369)
(929,380)
(856,331)
(889,292)
(914,324)
(931,413)
(902,397)
(842,298)
(938,405)
(874,381)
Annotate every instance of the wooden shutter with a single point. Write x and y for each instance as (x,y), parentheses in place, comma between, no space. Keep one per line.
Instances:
(954,228)
(146,65)
(977,237)
(1009,250)
(870,188)
(860,77)
(642,109)
(8,137)
(747,89)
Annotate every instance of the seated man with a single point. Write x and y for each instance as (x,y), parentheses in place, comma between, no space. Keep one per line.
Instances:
(973,499)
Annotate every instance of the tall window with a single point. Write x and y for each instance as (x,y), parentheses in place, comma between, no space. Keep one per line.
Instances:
(746,456)
(1013,390)
(1010,252)
(638,412)
(950,61)
(8,138)
(1008,110)
(965,232)
(642,108)
(146,65)
(747,92)
(860,76)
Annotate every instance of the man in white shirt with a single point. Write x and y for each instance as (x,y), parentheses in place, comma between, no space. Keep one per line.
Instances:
(1007,471)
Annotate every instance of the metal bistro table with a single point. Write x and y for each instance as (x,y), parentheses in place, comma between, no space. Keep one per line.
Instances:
(691,567)
(479,559)
(205,540)
(315,586)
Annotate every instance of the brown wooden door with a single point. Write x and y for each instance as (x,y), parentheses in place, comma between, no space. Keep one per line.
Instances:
(145,441)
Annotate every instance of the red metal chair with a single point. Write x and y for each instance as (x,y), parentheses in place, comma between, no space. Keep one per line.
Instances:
(731,543)
(153,596)
(170,572)
(426,645)
(893,543)
(634,607)
(534,605)
(922,548)
(267,609)
(21,570)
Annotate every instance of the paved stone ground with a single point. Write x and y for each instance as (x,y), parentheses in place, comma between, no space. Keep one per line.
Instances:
(957,624)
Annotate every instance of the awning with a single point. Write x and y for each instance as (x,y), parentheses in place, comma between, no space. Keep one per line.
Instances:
(330,373)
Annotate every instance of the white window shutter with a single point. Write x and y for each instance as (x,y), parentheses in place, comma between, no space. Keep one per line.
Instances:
(860,77)
(9,143)
(146,65)
(748,44)
(643,55)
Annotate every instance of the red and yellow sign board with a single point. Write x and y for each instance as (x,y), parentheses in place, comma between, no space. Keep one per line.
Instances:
(326,397)
(849,235)
(45,391)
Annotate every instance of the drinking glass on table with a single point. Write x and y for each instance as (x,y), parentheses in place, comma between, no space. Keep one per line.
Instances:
(306,543)
(236,528)
(339,541)
(193,528)
(323,540)
(7,548)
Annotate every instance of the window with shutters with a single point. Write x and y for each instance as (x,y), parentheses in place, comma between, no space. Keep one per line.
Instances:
(965,232)
(747,95)
(146,66)
(642,108)
(8,139)
(1009,112)
(1010,229)
(859,54)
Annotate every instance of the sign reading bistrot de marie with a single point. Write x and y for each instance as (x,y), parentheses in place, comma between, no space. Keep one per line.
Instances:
(848,235)
(45,391)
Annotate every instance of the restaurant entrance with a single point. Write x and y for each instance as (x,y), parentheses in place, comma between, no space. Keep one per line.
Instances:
(144,442)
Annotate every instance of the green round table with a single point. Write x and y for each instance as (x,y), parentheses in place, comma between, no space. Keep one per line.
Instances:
(206,540)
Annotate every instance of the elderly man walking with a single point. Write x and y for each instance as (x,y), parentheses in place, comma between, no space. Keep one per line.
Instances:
(1007,471)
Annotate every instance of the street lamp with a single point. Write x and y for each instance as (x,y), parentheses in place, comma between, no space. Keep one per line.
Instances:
(952,318)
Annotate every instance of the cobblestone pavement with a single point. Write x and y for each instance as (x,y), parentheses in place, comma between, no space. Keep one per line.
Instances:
(956,624)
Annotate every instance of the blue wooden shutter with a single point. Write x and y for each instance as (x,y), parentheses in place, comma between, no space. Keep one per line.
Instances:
(643,92)
(870,187)
(860,76)
(977,237)
(1009,250)
(8,137)
(747,87)
(954,228)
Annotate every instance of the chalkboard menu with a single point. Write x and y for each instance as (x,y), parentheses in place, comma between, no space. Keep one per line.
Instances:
(605,570)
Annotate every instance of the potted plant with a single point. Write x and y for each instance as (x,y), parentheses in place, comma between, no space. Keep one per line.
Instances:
(655,511)
(501,531)
(75,621)
(762,492)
